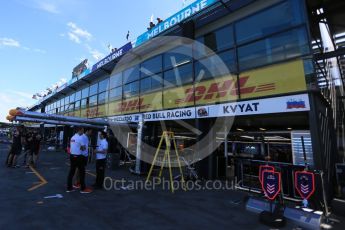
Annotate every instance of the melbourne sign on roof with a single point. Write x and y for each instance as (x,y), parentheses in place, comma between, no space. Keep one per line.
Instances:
(187,12)
(114,55)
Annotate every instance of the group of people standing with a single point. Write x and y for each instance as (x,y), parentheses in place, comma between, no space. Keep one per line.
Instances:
(80,146)
(31,141)
(79,153)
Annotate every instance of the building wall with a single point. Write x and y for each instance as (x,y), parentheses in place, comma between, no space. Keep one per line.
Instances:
(262,58)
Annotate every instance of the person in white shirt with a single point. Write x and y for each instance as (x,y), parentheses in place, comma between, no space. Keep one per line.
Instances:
(86,137)
(77,161)
(101,158)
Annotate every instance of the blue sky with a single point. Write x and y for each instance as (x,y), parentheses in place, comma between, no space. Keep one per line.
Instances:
(42,40)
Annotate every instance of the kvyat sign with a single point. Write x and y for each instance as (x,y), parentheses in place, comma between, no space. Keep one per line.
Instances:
(251,107)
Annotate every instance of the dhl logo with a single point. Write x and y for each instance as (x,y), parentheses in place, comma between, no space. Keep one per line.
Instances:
(214,91)
(132,105)
(94,112)
(223,89)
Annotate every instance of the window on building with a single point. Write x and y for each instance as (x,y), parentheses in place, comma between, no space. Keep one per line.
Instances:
(115,94)
(103,97)
(67,100)
(78,95)
(229,59)
(151,66)
(151,83)
(178,56)
(93,101)
(216,41)
(115,80)
(93,89)
(145,85)
(283,46)
(131,89)
(215,66)
(103,85)
(131,74)
(77,105)
(72,98)
(178,76)
(156,81)
(71,107)
(84,103)
(85,92)
(269,21)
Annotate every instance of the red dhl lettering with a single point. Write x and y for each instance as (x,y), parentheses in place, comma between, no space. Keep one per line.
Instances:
(222,89)
(92,112)
(132,105)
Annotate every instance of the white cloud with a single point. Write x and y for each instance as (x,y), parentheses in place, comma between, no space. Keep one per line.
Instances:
(48,7)
(11,99)
(82,36)
(36,50)
(39,51)
(9,42)
(96,54)
(74,38)
(76,34)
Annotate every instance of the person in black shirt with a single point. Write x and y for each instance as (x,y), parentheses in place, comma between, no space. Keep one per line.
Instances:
(35,148)
(27,148)
(113,150)
(16,148)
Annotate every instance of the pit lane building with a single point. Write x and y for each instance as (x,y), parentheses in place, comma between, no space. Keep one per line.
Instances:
(285,82)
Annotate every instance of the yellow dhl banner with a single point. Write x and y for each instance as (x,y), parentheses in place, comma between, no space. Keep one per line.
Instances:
(83,113)
(127,106)
(267,81)
(114,108)
(77,113)
(131,105)
(276,79)
(96,111)
(102,110)
(150,102)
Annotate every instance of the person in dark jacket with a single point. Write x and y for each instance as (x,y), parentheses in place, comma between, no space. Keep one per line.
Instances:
(27,148)
(113,150)
(17,144)
(35,148)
